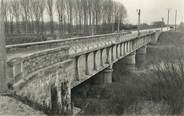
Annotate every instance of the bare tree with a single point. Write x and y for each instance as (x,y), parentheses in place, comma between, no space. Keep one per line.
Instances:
(25,7)
(60,5)
(37,9)
(5,12)
(85,11)
(97,9)
(15,5)
(121,14)
(69,7)
(50,10)
(11,20)
(42,9)
(81,16)
(90,15)
(108,13)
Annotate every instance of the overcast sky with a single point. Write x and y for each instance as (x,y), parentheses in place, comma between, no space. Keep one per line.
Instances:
(154,9)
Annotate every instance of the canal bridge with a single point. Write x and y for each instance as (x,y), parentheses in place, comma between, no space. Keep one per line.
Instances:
(45,72)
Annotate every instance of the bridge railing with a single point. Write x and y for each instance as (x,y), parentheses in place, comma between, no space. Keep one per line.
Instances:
(56,43)
(53,43)
(24,67)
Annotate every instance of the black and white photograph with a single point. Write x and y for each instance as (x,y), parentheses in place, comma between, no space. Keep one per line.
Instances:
(91,57)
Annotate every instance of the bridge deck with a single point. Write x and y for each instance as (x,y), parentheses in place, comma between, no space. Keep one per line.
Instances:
(86,43)
(25,53)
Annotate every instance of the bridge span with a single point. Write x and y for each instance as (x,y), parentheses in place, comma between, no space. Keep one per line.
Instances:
(45,72)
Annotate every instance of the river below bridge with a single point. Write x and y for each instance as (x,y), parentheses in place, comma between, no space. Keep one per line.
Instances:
(143,91)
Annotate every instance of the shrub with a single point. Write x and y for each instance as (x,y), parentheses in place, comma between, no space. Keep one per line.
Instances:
(168,85)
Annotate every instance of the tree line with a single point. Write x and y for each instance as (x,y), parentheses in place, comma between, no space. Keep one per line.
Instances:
(62,16)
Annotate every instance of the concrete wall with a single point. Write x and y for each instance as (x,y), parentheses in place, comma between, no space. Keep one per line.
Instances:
(25,66)
(38,88)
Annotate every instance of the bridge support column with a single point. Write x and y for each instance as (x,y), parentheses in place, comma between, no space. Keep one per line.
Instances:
(87,67)
(101,57)
(141,56)
(105,77)
(108,56)
(112,53)
(129,62)
(77,68)
(63,95)
(155,38)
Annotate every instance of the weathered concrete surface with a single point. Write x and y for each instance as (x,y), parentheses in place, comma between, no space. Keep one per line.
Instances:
(129,62)
(104,77)
(38,88)
(155,38)
(141,56)
(107,77)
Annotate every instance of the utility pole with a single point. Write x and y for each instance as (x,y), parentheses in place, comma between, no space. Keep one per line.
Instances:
(181,18)
(118,24)
(139,21)
(118,21)
(175,20)
(168,19)
(162,24)
(3,57)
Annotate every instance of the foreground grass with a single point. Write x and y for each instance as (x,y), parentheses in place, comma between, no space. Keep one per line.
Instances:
(159,90)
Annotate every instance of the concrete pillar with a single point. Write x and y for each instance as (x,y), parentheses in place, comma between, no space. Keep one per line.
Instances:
(117,51)
(129,62)
(15,70)
(3,57)
(130,59)
(108,75)
(131,45)
(112,53)
(101,57)
(87,67)
(141,56)
(104,77)
(64,97)
(128,47)
(108,55)
(155,38)
(125,48)
(94,57)
(77,68)
(121,51)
